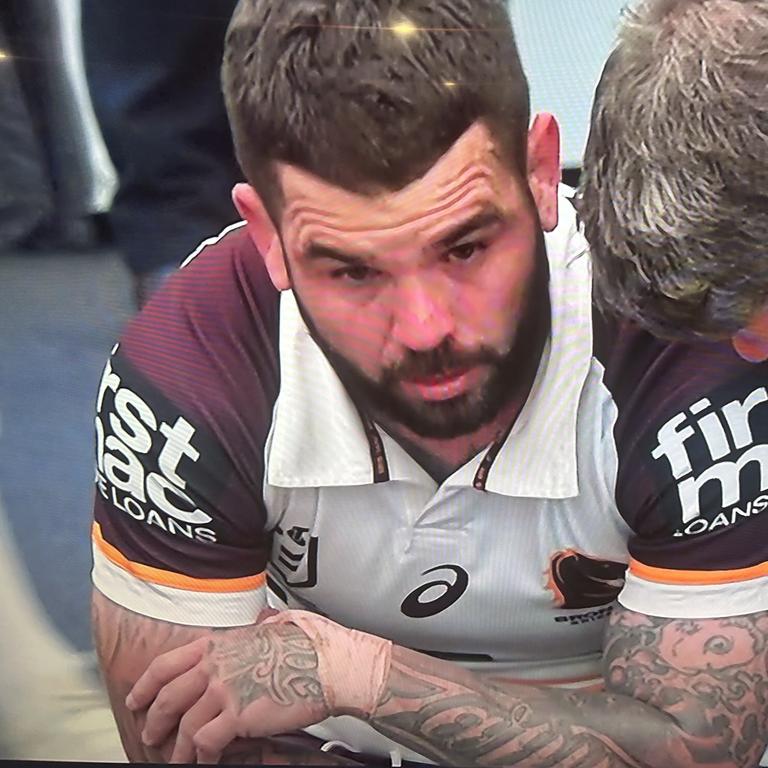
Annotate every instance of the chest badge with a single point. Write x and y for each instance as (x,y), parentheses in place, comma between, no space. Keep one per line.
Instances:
(296,558)
(577,580)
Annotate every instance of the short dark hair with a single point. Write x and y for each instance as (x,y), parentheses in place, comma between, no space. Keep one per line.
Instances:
(328,86)
(674,190)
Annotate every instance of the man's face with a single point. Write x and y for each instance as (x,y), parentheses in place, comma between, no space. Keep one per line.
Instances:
(430,302)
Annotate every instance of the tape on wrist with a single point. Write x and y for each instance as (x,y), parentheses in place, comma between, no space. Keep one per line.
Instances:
(353,667)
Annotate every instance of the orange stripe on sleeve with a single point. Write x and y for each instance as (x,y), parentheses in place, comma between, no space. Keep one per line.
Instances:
(170,579)
(672,576)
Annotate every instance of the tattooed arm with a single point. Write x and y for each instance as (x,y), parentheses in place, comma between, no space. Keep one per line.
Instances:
(126,644)
(678,693)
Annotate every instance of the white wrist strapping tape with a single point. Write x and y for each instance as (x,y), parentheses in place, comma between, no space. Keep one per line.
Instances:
(353,667)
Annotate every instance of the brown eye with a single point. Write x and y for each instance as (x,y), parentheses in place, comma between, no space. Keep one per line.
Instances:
(465,252)
(355,274)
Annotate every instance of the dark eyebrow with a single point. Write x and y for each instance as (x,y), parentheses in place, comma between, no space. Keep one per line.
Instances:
(479,221)
(316,251)
(491,216)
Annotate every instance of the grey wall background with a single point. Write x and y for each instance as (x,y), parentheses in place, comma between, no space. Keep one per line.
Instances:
(563,45)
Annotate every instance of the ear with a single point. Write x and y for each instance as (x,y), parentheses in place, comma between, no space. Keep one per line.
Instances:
(263,233)
(751,343)
(544,167)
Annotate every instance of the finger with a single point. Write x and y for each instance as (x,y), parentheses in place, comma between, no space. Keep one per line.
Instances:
(164,669)
(207,709)
(212,739)
(172,702)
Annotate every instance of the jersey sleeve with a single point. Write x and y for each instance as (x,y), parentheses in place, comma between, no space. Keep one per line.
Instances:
(182,414)
(692,483)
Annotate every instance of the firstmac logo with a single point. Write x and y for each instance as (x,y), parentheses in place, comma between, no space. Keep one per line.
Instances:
(140,460)
(733,463)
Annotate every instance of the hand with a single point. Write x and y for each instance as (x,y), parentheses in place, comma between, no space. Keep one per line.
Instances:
(248,682)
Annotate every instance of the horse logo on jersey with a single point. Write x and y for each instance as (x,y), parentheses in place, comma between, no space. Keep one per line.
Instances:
(577,580)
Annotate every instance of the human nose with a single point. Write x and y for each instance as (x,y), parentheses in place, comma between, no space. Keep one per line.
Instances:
(422,314)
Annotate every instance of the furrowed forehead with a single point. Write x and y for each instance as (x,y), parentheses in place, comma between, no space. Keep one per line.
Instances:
(469,177)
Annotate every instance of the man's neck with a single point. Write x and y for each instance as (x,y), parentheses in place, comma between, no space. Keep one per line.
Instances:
(440,458)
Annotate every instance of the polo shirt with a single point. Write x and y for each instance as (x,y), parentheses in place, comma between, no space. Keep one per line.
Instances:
(233,469)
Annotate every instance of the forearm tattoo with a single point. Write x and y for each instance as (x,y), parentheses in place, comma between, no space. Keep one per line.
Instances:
(678,693)
(279,663)
(126,643)
(710,675)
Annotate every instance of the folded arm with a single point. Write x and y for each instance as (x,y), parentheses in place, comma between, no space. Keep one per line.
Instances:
(678,693)
(127,643)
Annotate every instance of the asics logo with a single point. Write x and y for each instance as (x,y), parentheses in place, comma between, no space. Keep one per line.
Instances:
(439,593)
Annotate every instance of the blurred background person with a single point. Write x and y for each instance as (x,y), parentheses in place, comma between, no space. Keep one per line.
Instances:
(674,193)
(170,142)
(53,706)
(25,195)
(46,174)
(153,72)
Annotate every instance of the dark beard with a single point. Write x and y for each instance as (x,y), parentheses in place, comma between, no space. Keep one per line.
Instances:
(512,373)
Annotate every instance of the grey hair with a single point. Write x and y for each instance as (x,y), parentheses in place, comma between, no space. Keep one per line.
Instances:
(674,190)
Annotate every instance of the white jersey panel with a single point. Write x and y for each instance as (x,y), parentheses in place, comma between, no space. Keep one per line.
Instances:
(361,555)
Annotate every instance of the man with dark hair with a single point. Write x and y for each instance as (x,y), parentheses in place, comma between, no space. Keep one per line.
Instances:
(675,186)
(383,408)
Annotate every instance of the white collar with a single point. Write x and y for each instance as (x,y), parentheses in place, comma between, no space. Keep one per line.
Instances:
(539,457)
(318,438)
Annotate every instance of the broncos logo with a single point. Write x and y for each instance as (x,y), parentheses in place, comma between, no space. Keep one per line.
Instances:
(579,581)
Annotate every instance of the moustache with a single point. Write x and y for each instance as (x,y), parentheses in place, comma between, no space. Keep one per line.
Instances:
(440,361)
